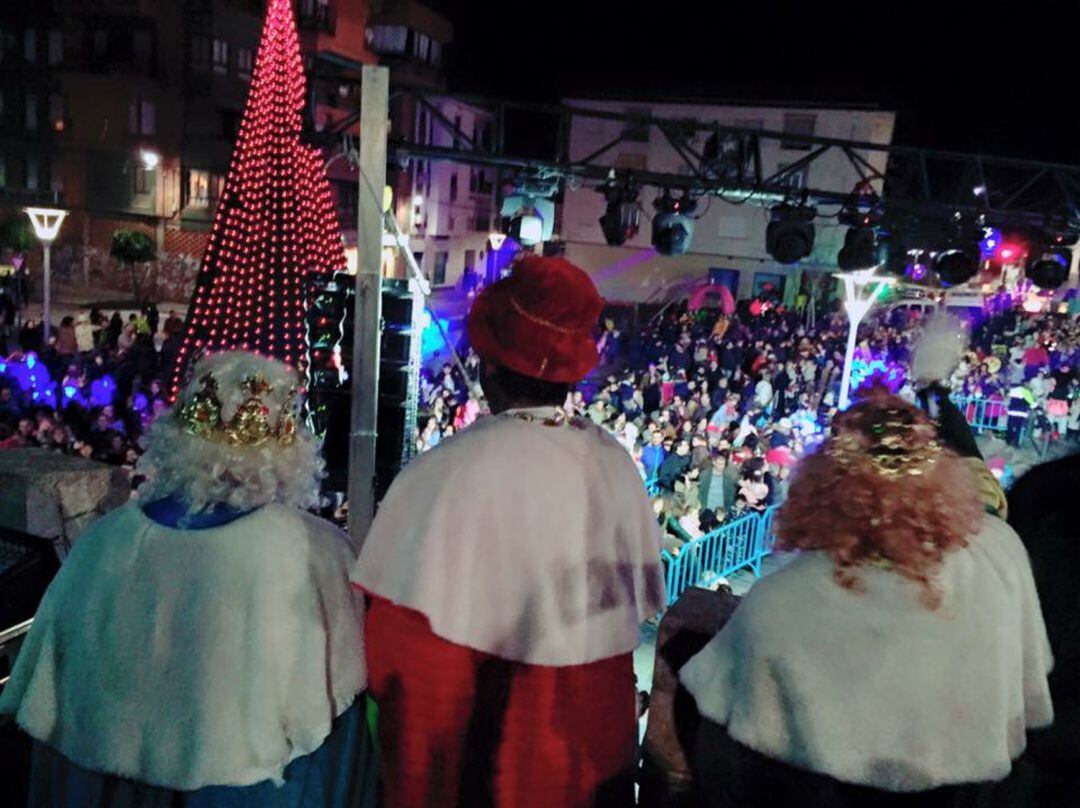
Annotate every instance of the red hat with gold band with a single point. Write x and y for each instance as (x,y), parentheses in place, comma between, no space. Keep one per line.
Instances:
(539,321)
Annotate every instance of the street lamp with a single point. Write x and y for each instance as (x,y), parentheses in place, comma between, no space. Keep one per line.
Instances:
(46,222)
(861,290)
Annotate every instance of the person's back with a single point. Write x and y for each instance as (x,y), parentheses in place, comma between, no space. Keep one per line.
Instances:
(505,607)
(201,645)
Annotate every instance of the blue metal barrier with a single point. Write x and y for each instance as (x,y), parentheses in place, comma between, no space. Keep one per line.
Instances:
(738,545)
(983,414)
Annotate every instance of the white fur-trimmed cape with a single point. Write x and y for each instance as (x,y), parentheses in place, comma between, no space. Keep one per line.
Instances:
(875,689)
(533,543)
(187,658)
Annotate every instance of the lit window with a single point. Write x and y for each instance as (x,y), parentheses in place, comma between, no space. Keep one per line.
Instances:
(221,56)
(389,38)
(435,55)
(421,43)
(198,189)
(30,45)
(149,118)
(31,111)
(797,124)
(244,63)
(56,47)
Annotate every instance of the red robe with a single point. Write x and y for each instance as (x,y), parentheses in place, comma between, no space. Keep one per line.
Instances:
(459,727)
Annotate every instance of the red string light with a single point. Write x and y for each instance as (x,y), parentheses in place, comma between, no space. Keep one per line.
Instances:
(276,221)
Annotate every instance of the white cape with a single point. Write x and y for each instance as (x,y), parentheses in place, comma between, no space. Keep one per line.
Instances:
(533,543)
(191,658)
(876,689)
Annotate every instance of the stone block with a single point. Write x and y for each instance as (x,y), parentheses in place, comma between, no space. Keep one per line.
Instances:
(56,496)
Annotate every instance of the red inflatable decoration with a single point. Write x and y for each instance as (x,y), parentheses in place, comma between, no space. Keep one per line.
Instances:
(700,298)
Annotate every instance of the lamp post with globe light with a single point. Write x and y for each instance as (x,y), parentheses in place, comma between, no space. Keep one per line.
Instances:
(861,290)
(46,222)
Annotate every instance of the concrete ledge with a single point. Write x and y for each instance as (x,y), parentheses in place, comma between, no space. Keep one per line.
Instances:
(56,496)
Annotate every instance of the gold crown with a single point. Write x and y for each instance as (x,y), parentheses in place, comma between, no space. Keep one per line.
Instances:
(895,448)
(249,426)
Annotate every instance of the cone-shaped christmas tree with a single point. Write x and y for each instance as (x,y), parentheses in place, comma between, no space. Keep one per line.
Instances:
(275,225)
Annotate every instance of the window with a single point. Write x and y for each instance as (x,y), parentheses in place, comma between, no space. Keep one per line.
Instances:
(30,45)
(31,111)
(101,42)
(421,44)
(438,275)
(453,188)
(142,117)
(457,128)
(200,52)
(419,258)
(56,47)
(32,174)
(483,223)
(435,56)
(797,124)
(143,47)
(389,38)
(3,172)
(198,189)
(244,63)
(221,56)
(796,179)
(57,113)
(142,178)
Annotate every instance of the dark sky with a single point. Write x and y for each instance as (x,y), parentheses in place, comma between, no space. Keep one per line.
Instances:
(992,77)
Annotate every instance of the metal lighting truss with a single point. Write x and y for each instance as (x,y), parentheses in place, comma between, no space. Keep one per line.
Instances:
(922,183)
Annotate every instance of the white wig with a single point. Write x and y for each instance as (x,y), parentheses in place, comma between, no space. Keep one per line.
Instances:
(204,473)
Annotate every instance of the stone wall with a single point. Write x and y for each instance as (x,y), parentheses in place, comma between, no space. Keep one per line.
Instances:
(56,496)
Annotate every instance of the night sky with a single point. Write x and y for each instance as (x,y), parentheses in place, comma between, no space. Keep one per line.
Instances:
(996,78)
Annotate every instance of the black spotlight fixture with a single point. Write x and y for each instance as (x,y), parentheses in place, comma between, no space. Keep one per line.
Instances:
(1049,269)
(789,237)
(859,250)
(956,265)
(672,227)
(622,217)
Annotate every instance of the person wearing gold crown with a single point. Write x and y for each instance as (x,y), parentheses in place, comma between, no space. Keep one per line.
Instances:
(508,572)
(900,658)
(201,646)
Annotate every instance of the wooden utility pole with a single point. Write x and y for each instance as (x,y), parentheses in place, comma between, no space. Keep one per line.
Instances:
(374,126)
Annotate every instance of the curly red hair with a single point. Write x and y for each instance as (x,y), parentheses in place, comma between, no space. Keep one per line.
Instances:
(858,515)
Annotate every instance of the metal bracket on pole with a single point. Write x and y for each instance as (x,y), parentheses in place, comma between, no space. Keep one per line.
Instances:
(374,127)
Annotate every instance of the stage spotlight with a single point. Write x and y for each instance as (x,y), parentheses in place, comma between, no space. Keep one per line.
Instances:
(672,228)
(1050,269)
(955,265)
(790,235)
(528,217)
(859,250)
(622,218)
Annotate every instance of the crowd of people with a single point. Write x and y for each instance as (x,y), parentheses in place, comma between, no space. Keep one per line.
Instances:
(716,408)
(93,389)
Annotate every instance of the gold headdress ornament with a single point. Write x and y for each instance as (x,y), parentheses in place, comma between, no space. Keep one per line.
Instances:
(250,425)
(895,450)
